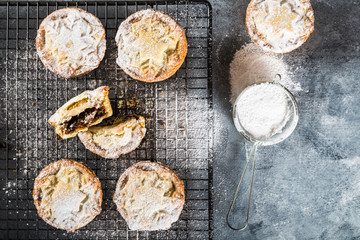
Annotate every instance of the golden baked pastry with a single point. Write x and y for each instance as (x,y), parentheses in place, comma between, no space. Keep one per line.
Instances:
(79,113)
(279,26)
(151,45)
(121,136)
(67,195)
(71,42)
(149,196)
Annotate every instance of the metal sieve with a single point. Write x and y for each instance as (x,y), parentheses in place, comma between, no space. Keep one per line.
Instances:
(276,138)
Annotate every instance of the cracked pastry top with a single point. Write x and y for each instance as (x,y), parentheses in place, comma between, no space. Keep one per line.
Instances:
(79,113)
(121,136)
(71,42)
(279,26)
(151,45)
(149,196)
(67,195)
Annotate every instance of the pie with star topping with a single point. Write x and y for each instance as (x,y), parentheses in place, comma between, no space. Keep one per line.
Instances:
(71,42)
(119,136)
(279,26)
(67,195)
(151,45)
(149,196)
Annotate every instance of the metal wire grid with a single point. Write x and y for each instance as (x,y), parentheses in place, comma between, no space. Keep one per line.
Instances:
(178,112)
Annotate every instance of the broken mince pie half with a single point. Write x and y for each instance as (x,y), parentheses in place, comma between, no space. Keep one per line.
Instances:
(79,113)
(120,136)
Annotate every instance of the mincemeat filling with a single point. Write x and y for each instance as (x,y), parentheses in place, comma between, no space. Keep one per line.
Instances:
(82,120)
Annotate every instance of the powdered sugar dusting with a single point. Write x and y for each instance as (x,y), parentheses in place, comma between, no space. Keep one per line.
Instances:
(252,65)
(280,26)
(67,195)
(150,196)
(150,44)
(122,136)
(71,42)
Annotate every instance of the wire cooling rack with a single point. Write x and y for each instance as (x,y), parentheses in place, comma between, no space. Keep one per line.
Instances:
(178,111)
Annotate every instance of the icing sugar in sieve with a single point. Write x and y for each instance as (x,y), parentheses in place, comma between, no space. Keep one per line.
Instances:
(265,114)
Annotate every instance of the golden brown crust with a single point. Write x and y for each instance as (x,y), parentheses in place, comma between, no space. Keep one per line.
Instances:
(306,29)
(91,101)
(124,191)
(90,208)
(87,63)
(120,136)
(128,56)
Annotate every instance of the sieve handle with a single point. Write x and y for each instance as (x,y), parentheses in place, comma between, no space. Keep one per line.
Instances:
(251,156)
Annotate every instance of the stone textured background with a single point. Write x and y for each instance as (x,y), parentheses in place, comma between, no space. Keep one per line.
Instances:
(307,187)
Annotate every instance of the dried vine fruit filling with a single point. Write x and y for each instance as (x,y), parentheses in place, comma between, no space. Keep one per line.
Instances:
(83,119)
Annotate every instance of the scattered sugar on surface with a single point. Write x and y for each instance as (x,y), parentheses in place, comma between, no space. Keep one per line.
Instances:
(353,192)
(40,146)
(11,184)
(252,65)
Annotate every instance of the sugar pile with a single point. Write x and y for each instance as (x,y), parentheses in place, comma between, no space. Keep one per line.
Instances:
(263,110)
(252,65)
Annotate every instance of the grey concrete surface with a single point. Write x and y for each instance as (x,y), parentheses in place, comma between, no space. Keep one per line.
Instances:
(307,187)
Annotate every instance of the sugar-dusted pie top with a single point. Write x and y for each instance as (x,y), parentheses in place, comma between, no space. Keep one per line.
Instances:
(117,134)
(67,194)
(279,25)
(71,42)
(121,136)
(150,196)
(151,45)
